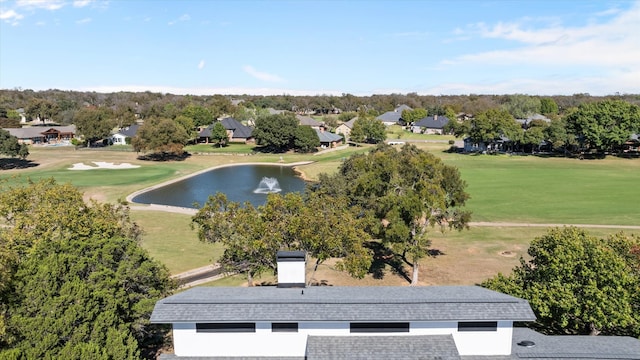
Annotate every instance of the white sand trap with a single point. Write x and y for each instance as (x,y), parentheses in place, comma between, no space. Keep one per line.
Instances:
(102,165)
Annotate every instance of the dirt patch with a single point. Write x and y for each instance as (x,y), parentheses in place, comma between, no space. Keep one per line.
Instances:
(508,253)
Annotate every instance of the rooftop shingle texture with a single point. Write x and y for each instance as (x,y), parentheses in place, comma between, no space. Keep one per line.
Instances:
(563,347)
(441,347)
(240,131)
(431,122)
(324,303)
(328,137)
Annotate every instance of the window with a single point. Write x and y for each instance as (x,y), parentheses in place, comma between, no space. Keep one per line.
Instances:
(284,327)
(378,327)
(478,326)
(225,327)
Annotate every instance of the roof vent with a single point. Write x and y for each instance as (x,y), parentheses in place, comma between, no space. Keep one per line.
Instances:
(527,343)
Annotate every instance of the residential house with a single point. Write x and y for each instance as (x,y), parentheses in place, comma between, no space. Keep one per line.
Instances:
(292,321)
(236,131)
(44,135)
(393,117)
(309,121)
(120,138)
(525,122)
(430,125)
(345,128)
(328,139)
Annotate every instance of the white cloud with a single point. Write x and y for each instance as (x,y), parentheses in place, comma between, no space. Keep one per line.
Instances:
(201,65)
(41,4)
(261,75)
(81,3)
(83,21)
(182,18)
(609,44)
(10,16)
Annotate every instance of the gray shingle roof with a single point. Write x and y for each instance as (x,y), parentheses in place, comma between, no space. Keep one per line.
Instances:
(440,347)
(431,122)
(574,347)
(306,120)
(240,131)
(327,137)
(130,130)
(390,117)
(381,303)
(37,131)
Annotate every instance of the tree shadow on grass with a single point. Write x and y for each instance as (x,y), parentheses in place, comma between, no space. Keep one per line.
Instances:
(383,257)
(16,163)
(165,156)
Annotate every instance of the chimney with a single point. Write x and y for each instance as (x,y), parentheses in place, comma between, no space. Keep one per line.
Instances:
(291,269)
(435,117)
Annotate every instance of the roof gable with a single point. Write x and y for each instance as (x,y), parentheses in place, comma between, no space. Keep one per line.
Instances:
(432,122)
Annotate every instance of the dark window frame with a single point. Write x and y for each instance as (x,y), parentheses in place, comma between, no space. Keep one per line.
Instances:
(374,327)
(226,327)
(477,326)
(284,327)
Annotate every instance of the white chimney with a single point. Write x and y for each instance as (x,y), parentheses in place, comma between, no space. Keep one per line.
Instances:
(291,268)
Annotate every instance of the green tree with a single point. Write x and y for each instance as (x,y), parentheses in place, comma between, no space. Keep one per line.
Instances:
(93,124)
(548,106)
(408,192)
(276,133)
(219,134)
(368,129)
(160,135)
(411,116)
(81,287)
(490,125)
(557,134)
(42,109)
(188,125)
(605,124)
(306,139)
(200,116)
(521,106)
(576,284)
(323,227)
(9,144)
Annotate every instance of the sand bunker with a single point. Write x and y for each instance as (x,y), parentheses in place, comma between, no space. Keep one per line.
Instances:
(102,165)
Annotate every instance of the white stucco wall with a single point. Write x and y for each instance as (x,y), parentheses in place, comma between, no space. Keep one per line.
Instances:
(187,342)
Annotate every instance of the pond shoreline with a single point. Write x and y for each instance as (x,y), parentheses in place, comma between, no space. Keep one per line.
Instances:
(186,210)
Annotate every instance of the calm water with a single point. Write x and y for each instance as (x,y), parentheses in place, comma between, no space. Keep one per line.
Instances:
(237,182)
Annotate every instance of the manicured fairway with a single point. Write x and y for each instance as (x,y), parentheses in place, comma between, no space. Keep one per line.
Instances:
(558,190)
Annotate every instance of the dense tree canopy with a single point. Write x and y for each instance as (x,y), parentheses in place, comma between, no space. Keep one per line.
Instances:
(160,135)
(407,192)
(276,133)
(578,284)
(9,146)
(219,134)
(73,281)
(306,139)
(323,227)
(368,129)
(93,124)
(605,124)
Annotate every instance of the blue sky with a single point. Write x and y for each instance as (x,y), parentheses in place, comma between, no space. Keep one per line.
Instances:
(541,47)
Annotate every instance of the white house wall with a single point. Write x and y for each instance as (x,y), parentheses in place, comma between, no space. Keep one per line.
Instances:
(485,342)
(264,342)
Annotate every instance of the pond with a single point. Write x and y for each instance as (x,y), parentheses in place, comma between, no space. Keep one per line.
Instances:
(239,183)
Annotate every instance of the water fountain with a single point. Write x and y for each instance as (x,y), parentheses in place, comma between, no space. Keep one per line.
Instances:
(268,185)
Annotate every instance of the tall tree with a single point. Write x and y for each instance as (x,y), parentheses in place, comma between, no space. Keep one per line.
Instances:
(306,139)
(276,133)
(160,135)
(407,191)
(93,123)
(605,124)
(81,287)
(411,116)
(368,129)
(577,284)
(9,145)
(200,115)
(548,106)
(521,106)
(323,227)
(490,125)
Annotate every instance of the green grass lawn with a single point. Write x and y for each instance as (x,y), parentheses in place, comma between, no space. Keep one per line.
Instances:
(502,188)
